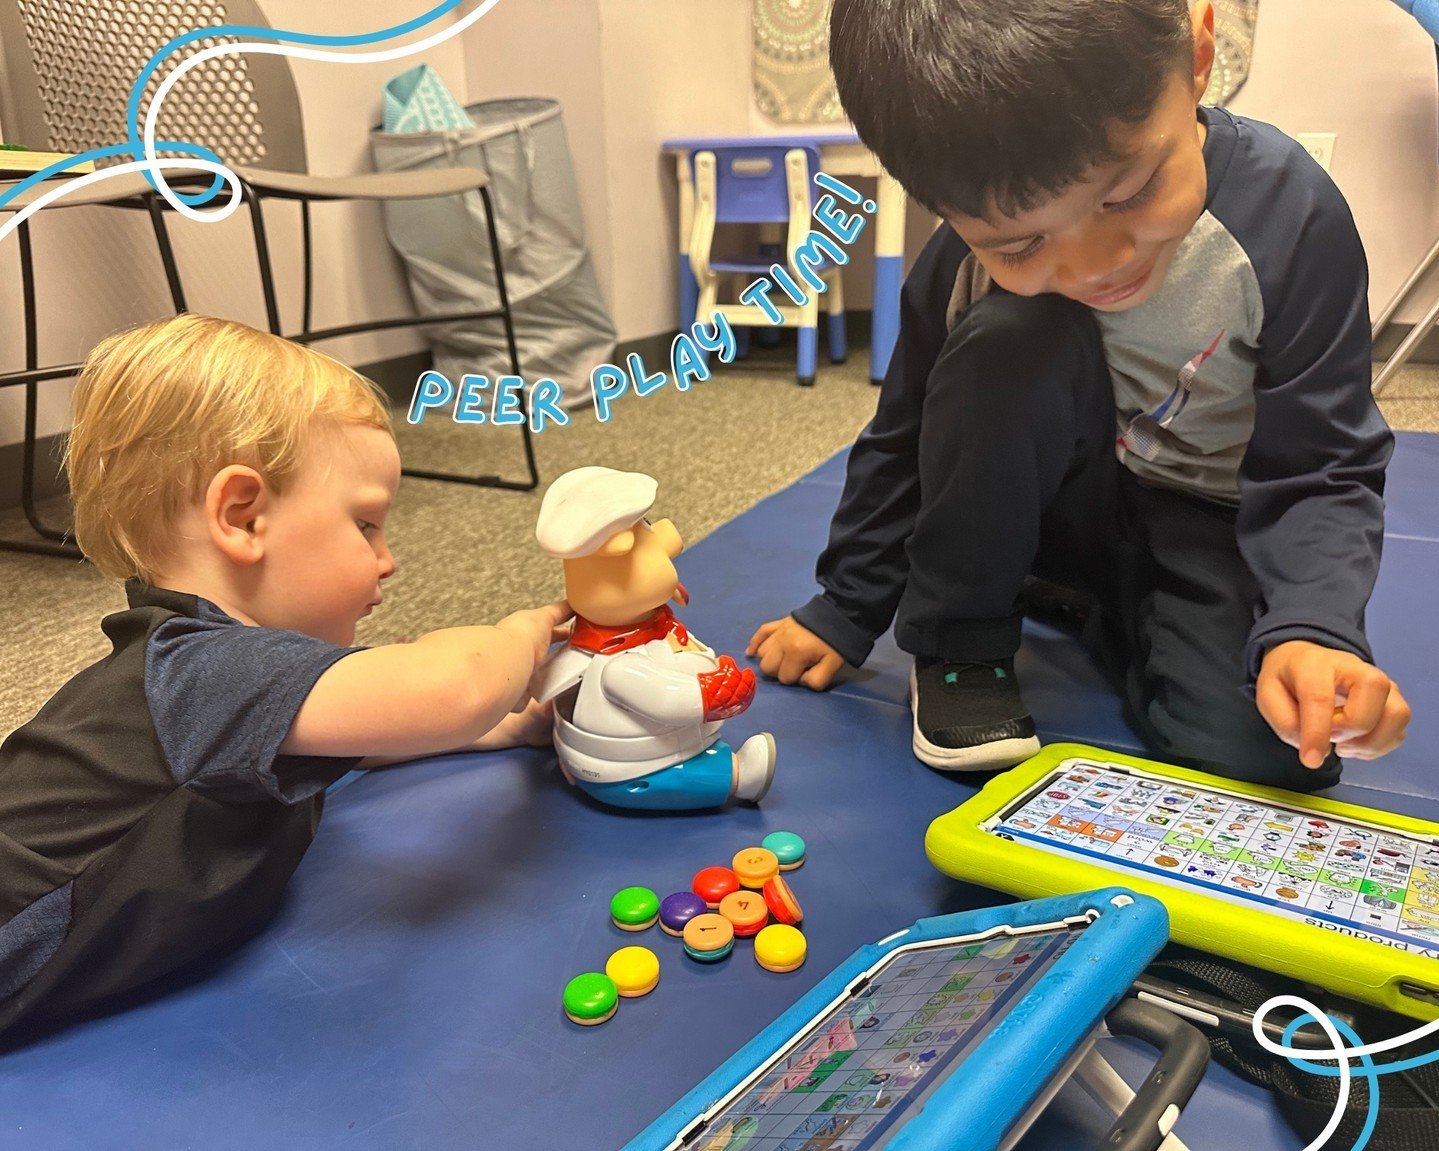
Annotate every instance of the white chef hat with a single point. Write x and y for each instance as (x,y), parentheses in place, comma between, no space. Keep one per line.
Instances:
(585,507)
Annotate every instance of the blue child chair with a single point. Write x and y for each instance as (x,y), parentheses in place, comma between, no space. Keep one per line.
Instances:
(755,183)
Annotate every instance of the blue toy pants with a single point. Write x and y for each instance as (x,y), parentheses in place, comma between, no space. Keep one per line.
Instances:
(704,780)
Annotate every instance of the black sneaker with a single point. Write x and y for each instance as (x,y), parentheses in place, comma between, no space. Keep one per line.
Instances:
(969,716)
(1056,604)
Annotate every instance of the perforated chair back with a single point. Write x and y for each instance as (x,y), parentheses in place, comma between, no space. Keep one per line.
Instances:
(70,67)
(751,184)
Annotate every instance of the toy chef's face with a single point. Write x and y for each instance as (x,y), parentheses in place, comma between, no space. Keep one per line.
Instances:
(629,578)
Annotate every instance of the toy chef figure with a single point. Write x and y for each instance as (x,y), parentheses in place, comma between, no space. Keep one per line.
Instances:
(638,700)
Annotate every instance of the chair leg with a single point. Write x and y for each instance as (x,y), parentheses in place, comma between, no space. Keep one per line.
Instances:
(834,305)
(808,354)
(307,268)
(262,255)
(1407,347)
(1382,320)
(509,324)
(507,320)
(808,341)
(771,248)
(51,541)
(838,342)
(705,306)
(156,208)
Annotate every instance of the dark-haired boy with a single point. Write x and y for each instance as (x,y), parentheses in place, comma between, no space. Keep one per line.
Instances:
(1137,362)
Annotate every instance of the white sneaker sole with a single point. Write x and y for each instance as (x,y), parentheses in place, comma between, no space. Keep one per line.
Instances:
(995,756)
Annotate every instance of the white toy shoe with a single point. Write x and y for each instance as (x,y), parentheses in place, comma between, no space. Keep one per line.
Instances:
(754,767)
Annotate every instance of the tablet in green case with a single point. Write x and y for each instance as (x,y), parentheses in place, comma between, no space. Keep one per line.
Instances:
(1342,896)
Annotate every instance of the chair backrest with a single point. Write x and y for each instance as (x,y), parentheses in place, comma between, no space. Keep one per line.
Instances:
(70,67)
(751,183)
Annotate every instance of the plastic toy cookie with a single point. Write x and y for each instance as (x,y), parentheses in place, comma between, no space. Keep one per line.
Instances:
(709,937)
(754,865)
(782,904)
(712,884)
(678,909)
(638,701)
(780,947)
(746,910)
(590,998)
(634,908)
(788,848)
(635,971)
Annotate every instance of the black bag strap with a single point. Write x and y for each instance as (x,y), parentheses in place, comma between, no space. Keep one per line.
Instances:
(1408,1101)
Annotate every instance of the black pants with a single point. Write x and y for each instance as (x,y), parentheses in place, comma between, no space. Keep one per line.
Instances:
(1018,474)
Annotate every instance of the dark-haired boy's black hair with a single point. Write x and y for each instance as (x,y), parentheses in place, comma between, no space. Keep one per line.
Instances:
(974,105)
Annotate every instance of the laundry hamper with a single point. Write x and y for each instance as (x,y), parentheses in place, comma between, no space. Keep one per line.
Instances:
(562,326)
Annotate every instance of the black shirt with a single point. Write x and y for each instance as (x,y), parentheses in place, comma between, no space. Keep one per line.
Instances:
(146,815)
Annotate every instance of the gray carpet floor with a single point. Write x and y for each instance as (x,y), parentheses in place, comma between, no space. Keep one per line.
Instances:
(467,555)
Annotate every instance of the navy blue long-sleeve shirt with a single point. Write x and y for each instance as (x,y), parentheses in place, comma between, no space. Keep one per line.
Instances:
(1264,312)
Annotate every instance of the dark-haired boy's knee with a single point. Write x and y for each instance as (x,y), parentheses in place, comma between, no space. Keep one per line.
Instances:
(1026,353)
(1020,324)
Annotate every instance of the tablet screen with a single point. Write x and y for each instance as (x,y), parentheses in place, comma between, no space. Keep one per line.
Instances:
(851,1079)
(1361,879)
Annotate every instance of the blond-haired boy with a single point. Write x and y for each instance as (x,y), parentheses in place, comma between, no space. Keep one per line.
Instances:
(155,808)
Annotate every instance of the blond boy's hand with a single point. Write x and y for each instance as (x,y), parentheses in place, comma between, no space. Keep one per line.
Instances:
(533,726)
(442,692)
(1314,696)
(791,653)
(538,626)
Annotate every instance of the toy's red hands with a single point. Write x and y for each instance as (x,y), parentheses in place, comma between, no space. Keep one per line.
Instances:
(727,690)
(1313,696)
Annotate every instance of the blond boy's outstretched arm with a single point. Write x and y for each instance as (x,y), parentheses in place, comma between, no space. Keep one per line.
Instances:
(443,692)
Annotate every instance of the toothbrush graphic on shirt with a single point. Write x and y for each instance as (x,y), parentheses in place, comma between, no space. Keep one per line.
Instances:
(1141,436)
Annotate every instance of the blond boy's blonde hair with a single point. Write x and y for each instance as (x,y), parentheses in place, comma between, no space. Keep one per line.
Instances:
(160,409)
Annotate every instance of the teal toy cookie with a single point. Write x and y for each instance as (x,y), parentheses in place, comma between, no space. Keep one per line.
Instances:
(787,846)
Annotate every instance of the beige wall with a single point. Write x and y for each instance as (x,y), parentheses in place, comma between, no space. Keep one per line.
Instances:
(1365,70)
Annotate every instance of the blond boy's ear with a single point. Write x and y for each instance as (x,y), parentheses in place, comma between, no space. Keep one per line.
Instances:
(235,501)
(619,544)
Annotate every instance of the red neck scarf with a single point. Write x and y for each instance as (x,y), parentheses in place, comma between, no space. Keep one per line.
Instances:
(604,640)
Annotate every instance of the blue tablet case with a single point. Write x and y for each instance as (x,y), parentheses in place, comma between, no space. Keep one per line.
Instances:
(996,1083)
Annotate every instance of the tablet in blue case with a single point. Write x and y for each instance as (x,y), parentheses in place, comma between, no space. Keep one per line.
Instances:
(945,1034)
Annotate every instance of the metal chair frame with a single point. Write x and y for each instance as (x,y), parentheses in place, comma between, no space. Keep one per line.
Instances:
(27,116)
(1410,343)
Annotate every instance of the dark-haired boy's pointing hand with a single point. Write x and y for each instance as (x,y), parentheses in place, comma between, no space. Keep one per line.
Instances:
(1314,696)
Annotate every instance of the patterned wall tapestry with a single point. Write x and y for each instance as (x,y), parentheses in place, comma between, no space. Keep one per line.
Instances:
(1233,49)
(792,83)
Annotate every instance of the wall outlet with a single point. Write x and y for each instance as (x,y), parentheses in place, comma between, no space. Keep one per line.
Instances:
(1320,145)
